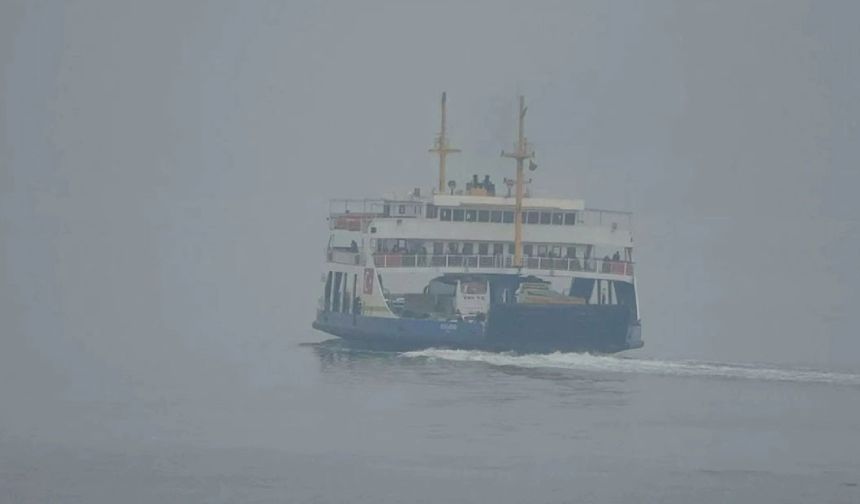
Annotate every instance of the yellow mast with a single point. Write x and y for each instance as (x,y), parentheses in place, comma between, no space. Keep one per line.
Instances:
(442,148)
(523,152)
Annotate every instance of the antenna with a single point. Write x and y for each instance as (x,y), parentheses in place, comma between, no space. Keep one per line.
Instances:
(523,152)
(441,147)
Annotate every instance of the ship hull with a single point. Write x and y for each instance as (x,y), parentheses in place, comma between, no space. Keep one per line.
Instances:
(518,328)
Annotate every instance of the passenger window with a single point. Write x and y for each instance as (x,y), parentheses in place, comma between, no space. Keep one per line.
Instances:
(570,219)
(401,209)
(541,250)
(483,248)
(558,218)
(496,216)
(468,249)
(458,215)
(431,211)
(532,217)
(445,214)
(508,217)
(483,216)
(470,215)
(498,249)
(438,248)
(545,217)
(453,248)
(527,250)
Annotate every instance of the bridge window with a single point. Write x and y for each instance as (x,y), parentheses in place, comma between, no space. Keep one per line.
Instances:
(496,216)
(483,216)
(508,217)
(545,218)
(558,218)
(458,215)
(570,219)
(471,215)
(445,214)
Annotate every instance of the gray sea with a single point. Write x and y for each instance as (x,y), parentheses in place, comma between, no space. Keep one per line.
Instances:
(324,422)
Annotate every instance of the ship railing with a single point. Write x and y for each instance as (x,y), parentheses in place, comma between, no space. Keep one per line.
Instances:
(389,260)
(344,257)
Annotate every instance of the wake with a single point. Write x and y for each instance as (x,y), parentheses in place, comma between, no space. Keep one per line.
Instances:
(613,364)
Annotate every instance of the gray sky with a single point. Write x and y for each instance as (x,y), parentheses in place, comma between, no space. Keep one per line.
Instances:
(165,166)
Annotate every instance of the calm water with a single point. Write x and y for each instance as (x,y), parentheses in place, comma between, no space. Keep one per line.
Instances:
(324,423)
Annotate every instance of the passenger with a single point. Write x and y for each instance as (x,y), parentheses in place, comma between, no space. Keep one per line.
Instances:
(604,268)
(616,256)
(353,247)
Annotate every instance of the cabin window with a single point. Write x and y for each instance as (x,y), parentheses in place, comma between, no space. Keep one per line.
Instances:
(508,217)
(533,217)
(471,215)
(498,248)
(483,249)
(468,248)
(545,218)
(483,216)
(527,249)
(438,248)
(386,210)
(496,216)
(431,211)
(558,219)
(569,219)
(458,215)
(445,214)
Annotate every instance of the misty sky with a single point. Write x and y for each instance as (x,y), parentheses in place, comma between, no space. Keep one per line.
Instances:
(165,166)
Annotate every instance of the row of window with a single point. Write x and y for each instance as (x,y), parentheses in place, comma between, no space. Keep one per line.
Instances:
(500,216)
(483,249)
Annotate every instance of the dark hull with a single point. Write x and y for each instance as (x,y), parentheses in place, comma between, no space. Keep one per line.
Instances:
(523,328)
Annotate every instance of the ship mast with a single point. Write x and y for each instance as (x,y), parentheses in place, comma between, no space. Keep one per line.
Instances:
(522,153)
(442,148)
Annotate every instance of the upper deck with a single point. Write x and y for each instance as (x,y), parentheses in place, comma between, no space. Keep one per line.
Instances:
(546,220)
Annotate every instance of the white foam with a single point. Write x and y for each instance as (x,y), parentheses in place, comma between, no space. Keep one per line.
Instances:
(614,364)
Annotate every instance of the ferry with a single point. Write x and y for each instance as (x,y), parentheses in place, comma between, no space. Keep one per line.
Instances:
(476,266)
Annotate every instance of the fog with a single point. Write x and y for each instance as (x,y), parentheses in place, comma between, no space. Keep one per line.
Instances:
(165,168)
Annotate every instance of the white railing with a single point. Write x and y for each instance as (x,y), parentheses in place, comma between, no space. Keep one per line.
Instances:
(344,257)
(501,262)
